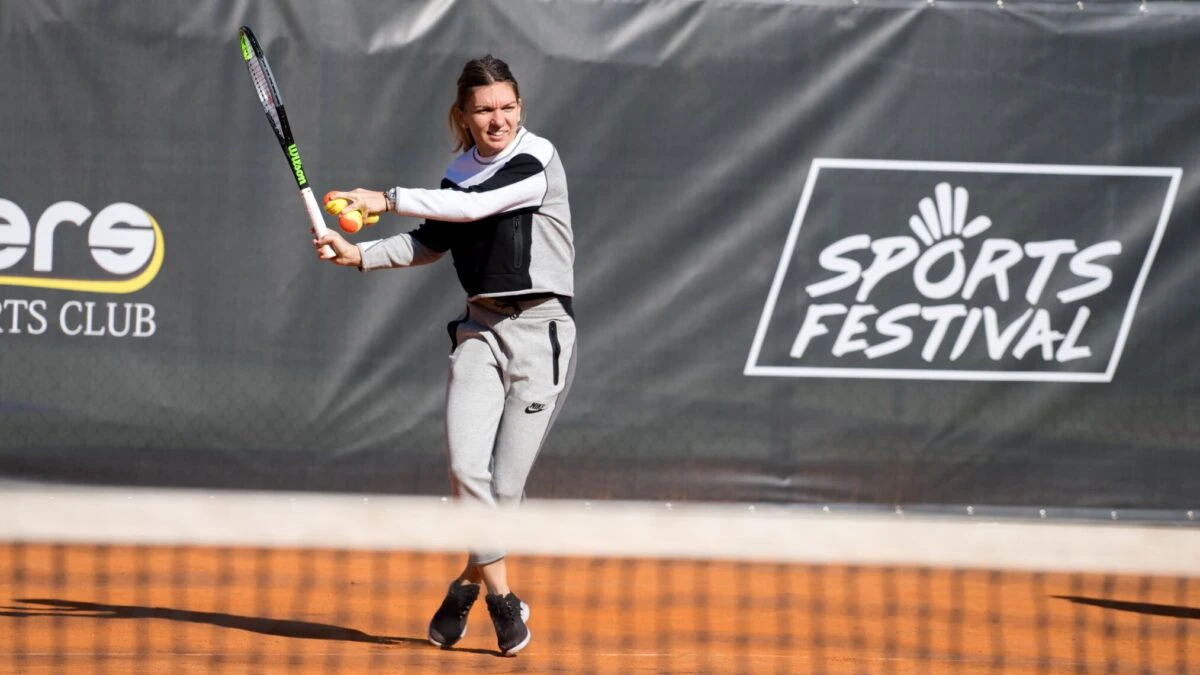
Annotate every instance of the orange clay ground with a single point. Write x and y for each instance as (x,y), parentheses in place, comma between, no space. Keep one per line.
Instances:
(178,611)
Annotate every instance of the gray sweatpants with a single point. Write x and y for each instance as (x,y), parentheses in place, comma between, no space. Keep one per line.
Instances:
(510,370)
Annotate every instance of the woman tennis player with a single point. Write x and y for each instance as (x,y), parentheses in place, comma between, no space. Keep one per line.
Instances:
(502,213)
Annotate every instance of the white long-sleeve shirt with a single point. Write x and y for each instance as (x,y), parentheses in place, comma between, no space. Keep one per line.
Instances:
(505,219)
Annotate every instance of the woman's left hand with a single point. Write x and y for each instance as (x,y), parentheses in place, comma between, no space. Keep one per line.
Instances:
(369,201)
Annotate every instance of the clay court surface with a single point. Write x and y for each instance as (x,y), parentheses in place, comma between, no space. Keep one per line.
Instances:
(200,610)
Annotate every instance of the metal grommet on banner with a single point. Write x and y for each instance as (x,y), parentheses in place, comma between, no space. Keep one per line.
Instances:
(1079,4)
(1143,7)
(1000,4)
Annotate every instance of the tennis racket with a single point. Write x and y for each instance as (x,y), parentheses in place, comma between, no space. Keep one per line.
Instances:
(272,103)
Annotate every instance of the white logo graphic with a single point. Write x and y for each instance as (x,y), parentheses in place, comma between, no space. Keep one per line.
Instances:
(126,250)
(967,289)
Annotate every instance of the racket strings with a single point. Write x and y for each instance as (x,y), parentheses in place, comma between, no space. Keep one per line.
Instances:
(268,93)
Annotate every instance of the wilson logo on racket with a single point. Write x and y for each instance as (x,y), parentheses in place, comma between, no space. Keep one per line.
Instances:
(297,166)
(123,241)
(991,271)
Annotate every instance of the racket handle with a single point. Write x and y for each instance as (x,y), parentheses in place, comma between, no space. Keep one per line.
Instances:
(316,219)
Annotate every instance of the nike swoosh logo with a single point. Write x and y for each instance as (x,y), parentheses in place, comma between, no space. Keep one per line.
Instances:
(535,408)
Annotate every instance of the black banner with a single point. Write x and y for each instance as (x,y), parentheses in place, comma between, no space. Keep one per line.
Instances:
(875,252)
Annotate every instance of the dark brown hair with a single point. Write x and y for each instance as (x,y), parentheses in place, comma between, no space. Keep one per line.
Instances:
(478,72)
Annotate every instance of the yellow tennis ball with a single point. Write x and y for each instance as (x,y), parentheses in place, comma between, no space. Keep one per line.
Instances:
(335,206)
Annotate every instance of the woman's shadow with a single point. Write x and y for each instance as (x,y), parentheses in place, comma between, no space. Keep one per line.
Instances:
(306,630)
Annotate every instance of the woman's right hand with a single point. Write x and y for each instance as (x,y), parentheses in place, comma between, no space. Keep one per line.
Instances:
(344,253)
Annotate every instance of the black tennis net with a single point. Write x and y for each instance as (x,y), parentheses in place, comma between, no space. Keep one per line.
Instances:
(160,581)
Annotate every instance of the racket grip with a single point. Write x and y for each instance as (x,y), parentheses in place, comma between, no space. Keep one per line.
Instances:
(316,219)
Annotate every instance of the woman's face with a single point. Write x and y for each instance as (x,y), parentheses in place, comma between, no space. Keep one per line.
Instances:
(492,114)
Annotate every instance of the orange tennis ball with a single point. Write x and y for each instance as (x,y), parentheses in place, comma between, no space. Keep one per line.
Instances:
(351,221)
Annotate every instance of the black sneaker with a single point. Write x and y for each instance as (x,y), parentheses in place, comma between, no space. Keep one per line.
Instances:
(449,623)
(508,616)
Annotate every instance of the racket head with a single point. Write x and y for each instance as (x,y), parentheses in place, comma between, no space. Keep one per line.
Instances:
(265,85)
